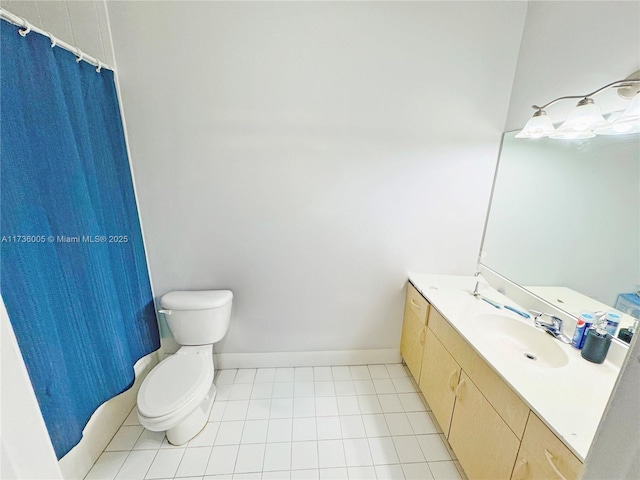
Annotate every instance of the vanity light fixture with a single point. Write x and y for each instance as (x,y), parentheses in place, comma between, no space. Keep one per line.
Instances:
(585,121)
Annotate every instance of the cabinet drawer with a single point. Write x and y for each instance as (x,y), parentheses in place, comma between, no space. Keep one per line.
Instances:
(505,401)
(416,304)
(543,456)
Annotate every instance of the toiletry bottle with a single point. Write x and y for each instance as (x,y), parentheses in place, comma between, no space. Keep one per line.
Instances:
(613,319)
(626,334)
(597,342)
(582,326)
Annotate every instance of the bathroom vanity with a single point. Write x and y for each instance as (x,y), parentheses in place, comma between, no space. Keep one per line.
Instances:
(514,402)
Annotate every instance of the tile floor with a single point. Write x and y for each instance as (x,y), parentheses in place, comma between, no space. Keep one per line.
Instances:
(358,422)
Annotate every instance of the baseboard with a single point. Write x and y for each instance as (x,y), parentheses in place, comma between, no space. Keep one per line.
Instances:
(306,359)
(104,424)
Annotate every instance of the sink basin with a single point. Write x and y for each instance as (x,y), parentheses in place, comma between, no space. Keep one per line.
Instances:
(524,341)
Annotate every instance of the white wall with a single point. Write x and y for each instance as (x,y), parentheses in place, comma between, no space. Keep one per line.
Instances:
(308,155)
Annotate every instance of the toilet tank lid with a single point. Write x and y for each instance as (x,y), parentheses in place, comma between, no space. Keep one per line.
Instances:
(196,299)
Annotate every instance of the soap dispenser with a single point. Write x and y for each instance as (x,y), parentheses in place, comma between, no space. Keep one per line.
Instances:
(597,343)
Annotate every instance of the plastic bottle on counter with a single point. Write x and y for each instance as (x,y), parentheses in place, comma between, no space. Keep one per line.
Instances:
(597,342)
(613,320)
(582,326)
(626,334)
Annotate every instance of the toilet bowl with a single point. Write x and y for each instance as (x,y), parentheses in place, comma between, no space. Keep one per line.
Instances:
(178,394)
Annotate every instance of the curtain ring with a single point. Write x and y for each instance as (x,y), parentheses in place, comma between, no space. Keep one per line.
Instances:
(27,28)
(99,66)
(80,55)
(54,40)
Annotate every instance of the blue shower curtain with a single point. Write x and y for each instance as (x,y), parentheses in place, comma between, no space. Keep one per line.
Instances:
(73,273)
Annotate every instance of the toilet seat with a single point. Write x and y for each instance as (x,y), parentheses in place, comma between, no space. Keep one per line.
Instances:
(173,386)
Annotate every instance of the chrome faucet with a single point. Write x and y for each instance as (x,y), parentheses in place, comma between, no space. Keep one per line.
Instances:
(554,328)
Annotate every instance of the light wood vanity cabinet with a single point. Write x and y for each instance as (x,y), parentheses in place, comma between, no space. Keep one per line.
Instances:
(490,428)
(414,330)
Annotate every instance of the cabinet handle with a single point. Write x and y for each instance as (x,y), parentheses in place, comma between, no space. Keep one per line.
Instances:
(552,464)
(519,467)
(423,335)
(413,302)
(459,391)
(453,379)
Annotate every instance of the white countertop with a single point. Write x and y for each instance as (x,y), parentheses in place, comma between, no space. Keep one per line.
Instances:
(569,399)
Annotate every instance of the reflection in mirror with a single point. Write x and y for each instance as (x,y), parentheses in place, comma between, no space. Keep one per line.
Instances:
(564,221)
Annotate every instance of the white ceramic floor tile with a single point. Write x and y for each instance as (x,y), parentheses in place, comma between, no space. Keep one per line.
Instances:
(255,431)
(107,466)
(322,374)
(218,477)
(250,458)
(303,389)
(356,452)
(344,388)
(375,425)
(433,448)
(281,408)
(421,423)
(383,451)
(411,402)
(304,455)
(334,474)
(245,375)
(165,464)
(369,404)
(217,411)
(226,376)
(348,405)
(149,440)
(304,407)
(206,437)
(132,419)
(223,391)
(286,374)
(352,426)
(194,462)
(125,438)
(403,385)
(359,372)
(265,375)
(325,389)
(326,406)
(417,471)
(378,371)
(247,476)
(361,473)
(222,460)
(328,428)
(331,454)
(235,410)
(167,445)
(241,391)
(305,474)
(396,370)
(277,456)
(389,472)
(408,449)
(280,430)
(364,387)
(444,470)
(282,390)
(390,403)
(279,475)
(304,429)
(229,433)
(258,409)
(341,373)
(262,390)
(136,465)
(383,385)
(398,424)
(303,374)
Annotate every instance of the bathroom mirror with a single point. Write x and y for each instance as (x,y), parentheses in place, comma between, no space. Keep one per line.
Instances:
(564,220)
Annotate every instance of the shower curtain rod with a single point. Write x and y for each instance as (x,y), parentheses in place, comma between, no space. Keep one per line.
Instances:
(21,22)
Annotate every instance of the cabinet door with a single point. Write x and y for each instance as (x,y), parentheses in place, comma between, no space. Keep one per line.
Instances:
(413,330)
(543,456)
(486,447)
(438,379)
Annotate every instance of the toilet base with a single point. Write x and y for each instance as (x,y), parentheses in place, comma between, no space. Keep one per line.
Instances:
(194,423)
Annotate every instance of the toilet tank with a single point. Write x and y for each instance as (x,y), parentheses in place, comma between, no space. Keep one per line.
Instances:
(197,317)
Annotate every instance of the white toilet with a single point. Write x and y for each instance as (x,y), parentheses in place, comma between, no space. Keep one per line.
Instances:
(177,395)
